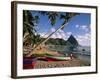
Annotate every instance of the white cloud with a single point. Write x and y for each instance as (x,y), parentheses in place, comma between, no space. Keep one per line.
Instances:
(77,26)
(52,29)
(83,27)
(58,34)
(42,34)
(84,40)
(69,33)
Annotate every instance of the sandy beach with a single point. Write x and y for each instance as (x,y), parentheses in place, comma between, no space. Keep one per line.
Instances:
(56,64)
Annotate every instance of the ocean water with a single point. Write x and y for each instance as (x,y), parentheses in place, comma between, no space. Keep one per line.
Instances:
(82,55)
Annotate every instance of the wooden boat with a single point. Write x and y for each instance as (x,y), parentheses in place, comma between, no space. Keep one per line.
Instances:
(59,58)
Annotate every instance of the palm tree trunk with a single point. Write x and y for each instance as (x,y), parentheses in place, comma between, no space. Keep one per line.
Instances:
(46,39)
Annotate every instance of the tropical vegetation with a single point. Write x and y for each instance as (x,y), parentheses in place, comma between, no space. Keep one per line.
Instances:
(30,22)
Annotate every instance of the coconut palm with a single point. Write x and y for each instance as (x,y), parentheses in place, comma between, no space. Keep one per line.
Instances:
(29,24)
(52,16)
(66,18)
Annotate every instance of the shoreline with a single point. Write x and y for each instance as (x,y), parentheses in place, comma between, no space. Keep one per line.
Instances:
(59,64)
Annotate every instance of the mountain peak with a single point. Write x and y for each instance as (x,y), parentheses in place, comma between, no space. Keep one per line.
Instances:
(72,40)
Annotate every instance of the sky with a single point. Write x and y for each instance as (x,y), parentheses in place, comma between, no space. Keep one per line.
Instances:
(78,26)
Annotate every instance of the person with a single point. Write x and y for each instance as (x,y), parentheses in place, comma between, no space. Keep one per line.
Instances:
(71,55)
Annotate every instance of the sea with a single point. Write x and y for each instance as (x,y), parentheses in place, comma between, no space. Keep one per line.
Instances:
(79,53)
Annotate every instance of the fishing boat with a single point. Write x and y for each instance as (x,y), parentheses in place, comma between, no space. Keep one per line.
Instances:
(58,58)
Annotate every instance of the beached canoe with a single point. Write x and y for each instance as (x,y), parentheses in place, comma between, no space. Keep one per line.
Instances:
(59,57)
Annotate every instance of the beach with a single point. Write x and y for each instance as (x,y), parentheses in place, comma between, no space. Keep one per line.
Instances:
(45,58)
(56,64)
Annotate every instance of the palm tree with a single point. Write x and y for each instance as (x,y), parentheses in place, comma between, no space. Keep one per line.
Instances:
(52,16)
(66,18)
(29,24)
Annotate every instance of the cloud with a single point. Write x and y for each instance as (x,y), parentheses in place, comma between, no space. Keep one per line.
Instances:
(84,40)
(83,27)
(53,29)
(59,34)
(69,33)
(42,34)
(77,26)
